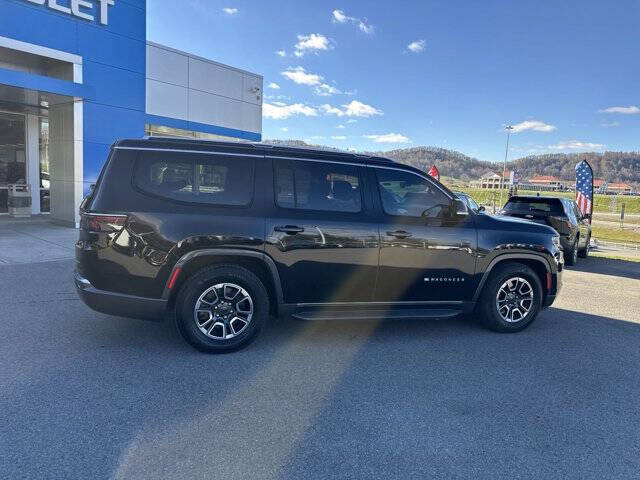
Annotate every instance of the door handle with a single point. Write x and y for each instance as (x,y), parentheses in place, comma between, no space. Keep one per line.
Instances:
(399,234)
(290,229)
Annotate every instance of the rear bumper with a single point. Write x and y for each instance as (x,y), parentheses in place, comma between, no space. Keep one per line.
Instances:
(119,304)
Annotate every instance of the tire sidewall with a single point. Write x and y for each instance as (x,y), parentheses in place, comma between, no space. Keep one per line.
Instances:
(492,318)
(196,285)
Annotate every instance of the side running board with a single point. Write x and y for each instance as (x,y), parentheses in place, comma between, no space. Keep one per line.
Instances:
(328,314)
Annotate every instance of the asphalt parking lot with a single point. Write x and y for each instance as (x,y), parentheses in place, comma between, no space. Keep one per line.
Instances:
(84,395)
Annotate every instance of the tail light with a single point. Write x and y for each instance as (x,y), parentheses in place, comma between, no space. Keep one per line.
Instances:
(102,223)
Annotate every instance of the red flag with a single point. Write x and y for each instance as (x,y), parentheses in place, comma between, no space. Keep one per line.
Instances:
(433,171)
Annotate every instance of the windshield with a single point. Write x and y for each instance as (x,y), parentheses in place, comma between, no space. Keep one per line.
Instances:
(550,206)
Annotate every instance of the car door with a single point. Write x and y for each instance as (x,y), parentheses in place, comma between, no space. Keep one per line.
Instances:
(426,255)
(322,235)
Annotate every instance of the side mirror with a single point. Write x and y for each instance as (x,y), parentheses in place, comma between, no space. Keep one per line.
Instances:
(481,208)
(459,208)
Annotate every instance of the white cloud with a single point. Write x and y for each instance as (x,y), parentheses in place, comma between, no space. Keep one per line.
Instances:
(300,76)
(610,124)
(313,42)
(338,137)
(325,90)
(366,27)
(576,145)
(274,86)
(359,109)
(630,110)
(284,129)
(351,109)
(330,110)
(388,138)
(352,120)
(281,111)
(317,137)
(340,17)
(534,125)
(416,46)
(230,11)
(281,53)
(340,127)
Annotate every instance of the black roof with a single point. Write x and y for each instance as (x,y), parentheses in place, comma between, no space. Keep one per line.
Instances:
(536,197)
(250,148)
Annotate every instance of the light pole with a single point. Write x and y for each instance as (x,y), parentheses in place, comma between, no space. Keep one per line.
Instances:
(508,128)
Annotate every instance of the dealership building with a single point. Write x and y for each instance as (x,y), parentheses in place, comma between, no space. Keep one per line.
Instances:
(75,75)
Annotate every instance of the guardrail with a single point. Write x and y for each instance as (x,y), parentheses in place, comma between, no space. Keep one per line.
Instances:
(620,245)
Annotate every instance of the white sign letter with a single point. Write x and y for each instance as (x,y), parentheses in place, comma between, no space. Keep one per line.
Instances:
(53,4)
(104,10)
(39,2)
(75,8)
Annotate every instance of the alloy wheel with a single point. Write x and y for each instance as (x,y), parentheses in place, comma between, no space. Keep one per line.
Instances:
(514,299)
(223,311)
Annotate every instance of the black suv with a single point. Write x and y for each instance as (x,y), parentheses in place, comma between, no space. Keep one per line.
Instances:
(219,235)
(560,213)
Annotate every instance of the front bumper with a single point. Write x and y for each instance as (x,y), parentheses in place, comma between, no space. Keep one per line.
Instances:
(119,304)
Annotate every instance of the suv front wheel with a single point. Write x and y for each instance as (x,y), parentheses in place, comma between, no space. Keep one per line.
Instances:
(221,308)
(511,299)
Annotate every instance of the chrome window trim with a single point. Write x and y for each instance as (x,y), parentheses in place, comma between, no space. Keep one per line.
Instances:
(180,150)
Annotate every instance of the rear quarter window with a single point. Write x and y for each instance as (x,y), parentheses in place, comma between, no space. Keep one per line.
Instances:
(196,178)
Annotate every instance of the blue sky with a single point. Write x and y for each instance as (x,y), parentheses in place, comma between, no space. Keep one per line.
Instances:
(381,75)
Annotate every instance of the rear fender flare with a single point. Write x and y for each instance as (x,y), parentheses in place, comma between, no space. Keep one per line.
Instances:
(221,252)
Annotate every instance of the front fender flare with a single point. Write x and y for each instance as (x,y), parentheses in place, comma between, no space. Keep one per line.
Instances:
(508,256)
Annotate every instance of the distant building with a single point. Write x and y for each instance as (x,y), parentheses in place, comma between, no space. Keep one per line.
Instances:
(492,180)
(549,181)
(619,188)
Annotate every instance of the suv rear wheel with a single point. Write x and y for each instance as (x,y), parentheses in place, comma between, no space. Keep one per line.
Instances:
(584,252)
(571,255)
(221,308)
(511,298)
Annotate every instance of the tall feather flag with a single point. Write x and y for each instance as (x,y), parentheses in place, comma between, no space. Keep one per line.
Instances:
(584,188)
(434,172)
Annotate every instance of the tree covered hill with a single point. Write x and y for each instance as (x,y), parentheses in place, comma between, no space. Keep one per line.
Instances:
(611,166)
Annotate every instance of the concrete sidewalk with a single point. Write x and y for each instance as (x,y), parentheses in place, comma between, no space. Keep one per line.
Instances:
(35,239)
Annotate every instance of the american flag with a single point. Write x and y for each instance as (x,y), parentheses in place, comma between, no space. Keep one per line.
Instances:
(584,187)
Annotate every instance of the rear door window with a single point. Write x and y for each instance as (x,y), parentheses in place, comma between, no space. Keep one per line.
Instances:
(308,185)
(196,178)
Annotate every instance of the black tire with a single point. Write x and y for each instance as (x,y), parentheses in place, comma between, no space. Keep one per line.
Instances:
(571,255)
(203,280)
(584,252)
(487,308)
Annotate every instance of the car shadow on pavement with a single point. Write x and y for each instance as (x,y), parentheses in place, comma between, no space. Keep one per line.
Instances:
(608,266)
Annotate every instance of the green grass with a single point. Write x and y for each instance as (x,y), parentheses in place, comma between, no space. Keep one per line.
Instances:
(614,256)
(613,234)
(602,211)
(602,203)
